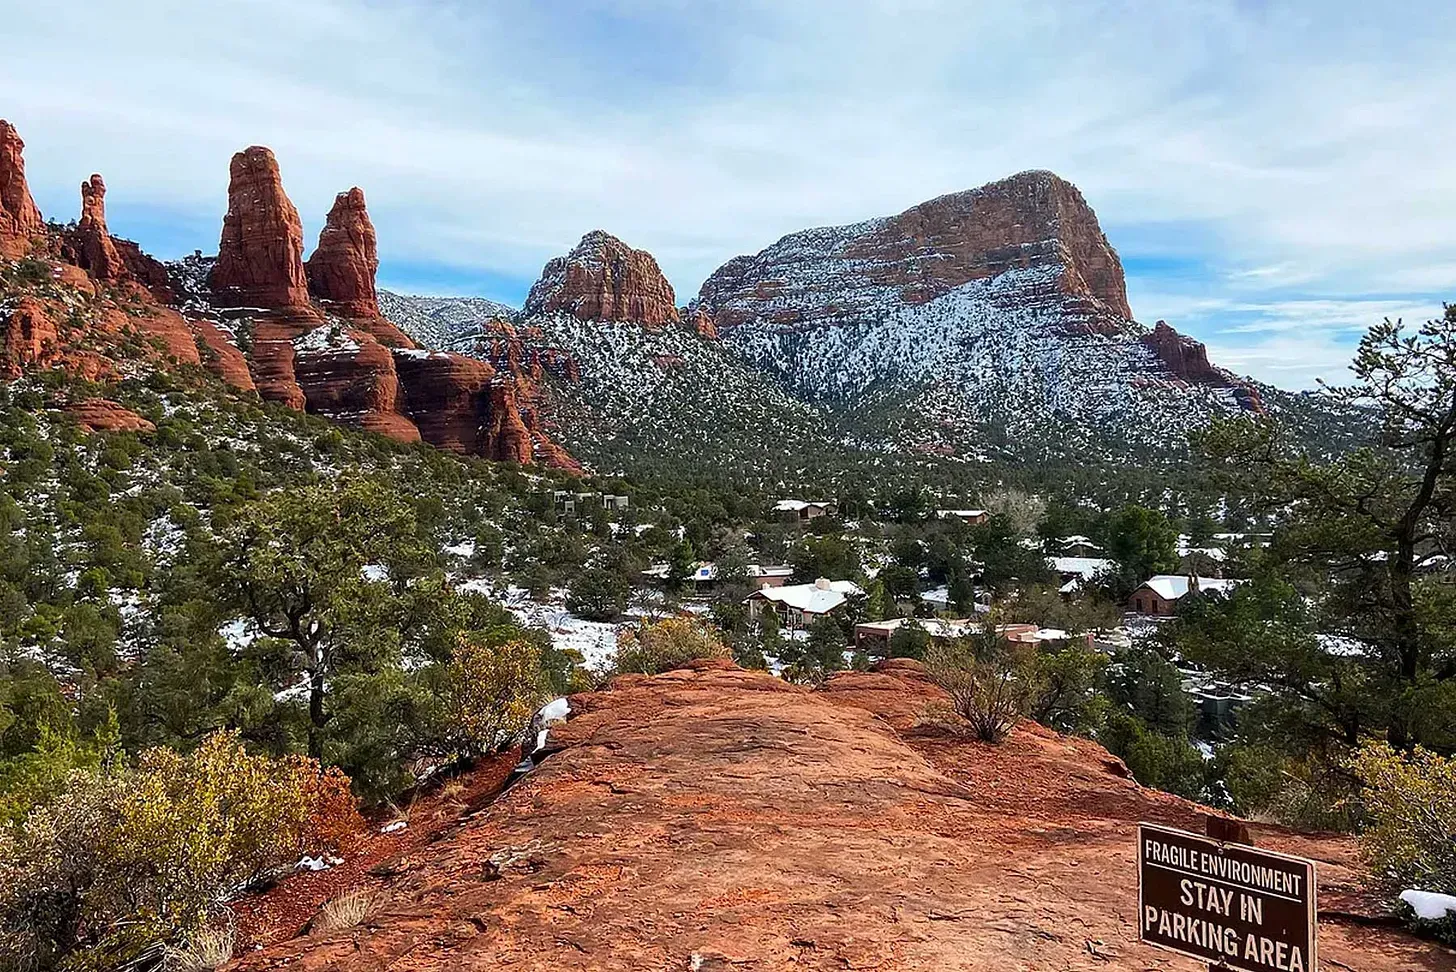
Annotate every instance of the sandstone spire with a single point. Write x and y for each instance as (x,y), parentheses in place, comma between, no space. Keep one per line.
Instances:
(20,220)
(260,255)
(342,268)
(95,251)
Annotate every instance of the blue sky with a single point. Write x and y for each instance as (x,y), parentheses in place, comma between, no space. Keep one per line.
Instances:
(1276,176)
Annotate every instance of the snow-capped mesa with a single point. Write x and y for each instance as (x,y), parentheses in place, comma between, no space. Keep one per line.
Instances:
(991,322)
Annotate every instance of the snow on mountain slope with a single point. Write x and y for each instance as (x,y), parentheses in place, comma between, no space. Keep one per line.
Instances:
(436,322)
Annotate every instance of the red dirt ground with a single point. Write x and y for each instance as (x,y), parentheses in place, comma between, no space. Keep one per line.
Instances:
(716,819)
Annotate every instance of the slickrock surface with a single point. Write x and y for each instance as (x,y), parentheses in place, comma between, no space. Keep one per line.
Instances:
(717,819)
(20,220)
(1032,219)
(260,255)
(604,279)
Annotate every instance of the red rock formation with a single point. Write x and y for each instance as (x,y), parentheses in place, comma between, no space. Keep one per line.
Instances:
(91,242)
(169,328)
(260,255)
(604,279)
(702,322)
(30,339)
(447,397)
(1034,219)
(20,220)
(1183,356)
(716,819)
(505,436)
(146,271)
(272,360)
(342,268)
(1187,359)
(103,415)
(223,357)
(352,378)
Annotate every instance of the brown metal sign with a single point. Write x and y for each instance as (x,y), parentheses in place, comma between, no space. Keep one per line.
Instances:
(1231,905)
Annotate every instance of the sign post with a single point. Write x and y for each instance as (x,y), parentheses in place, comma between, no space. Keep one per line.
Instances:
(1229,904)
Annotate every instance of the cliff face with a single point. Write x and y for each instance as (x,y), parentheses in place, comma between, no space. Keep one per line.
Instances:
(1030,220)
(604,279)
(20,220)
(260,255)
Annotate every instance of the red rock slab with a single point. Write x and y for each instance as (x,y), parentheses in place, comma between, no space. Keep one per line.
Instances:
(103,415)
(712,818)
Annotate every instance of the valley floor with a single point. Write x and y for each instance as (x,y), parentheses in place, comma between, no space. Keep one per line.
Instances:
(713,818)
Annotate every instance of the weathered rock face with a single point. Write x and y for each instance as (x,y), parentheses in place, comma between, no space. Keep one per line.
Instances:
(260,255)
(223,357)
(351,377)
(342,268)
(30,339)
(104,415)
(1034,219)
(1187,359)
(1183,356)
(702,322)
(20,220)
(604,279)
(93,248)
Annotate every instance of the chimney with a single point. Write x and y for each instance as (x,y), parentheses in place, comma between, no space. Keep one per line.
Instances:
(822,583)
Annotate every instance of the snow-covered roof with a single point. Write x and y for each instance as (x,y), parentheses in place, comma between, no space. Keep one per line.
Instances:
(962,514)
(819,597)
(1084,567)
(794,505)
(1077,540)
(1170,587)
(769,570)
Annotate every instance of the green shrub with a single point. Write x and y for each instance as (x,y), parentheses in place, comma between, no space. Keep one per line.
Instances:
(662,646)
(1410,806)
(129,855)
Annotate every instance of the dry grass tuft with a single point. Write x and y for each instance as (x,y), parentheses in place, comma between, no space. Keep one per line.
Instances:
(345,911)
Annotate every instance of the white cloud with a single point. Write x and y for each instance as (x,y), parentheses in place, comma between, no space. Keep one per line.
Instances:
(1307,143)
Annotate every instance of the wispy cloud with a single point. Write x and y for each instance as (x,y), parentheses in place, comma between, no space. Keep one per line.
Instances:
(1243,156)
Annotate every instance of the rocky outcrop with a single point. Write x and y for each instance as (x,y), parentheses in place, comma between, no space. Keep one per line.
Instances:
(222,356)
(30,339)
(1187,360)
(717,819)
(20,220)
(341,270)
(104,415)
(349,376)
(702,322)
(260,256)
(90,243)
(1028,221)
(604,279)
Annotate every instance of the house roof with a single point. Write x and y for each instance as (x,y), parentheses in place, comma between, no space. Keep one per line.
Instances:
(965,514)
(794,505)
(1170,587)
(1084,567)
(819,597)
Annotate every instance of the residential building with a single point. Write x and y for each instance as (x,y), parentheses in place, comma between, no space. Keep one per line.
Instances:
(802,511)
(1159,595)
(800,605)
(973,517)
